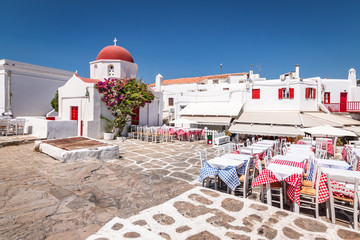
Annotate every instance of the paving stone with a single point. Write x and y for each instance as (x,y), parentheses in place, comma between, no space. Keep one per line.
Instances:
(310,225)
(184,176)
(140,223)
(237,236)
(210,193)
(189,210)
(165,235)
(268,232)
(204,235)
(241,228)
(164,219)
(232,205)
(273,220)
(132,235)
(117,226)
(182,229)
(259,207)
(200,199)
(251,219)
(348,235)
(281,214)
(60,193)
(291,233)
(220,219)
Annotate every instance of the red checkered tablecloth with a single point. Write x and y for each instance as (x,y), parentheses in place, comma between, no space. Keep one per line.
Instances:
(294,181)
(323,189)
(288,163)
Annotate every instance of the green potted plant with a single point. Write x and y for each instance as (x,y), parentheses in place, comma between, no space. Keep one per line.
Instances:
(109,129)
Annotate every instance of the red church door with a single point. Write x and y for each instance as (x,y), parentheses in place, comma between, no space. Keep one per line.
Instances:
(343,101)
(74,113)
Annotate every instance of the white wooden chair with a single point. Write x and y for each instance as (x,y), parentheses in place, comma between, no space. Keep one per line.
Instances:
(349,201)
(245,179)
(309,196)
(276,188)
(308,183)
(206,181)
(239,145)
(4,127)
(221,150)
(284,149)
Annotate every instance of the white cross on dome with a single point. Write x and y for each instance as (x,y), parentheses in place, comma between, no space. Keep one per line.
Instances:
(115,40)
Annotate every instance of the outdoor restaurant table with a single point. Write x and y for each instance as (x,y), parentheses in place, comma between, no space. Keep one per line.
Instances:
(226,168)
(240,157)
(336,164)
(223,162)
(329,145)
(292,157)
(323,190)
(339,172)
(291,172)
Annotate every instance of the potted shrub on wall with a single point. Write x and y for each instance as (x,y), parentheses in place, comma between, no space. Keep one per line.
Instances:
(109,129)
(122,96)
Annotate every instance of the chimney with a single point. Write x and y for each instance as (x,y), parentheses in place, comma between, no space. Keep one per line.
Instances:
(159,81)
(352,77)
(297,71)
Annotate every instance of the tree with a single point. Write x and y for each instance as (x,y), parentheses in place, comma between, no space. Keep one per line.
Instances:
(55,102)
(122,96)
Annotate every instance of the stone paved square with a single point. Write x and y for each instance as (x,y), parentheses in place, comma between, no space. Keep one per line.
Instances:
(41,198)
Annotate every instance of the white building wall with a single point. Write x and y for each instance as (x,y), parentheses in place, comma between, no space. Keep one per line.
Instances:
(122,69)
(335,87)
(32,87)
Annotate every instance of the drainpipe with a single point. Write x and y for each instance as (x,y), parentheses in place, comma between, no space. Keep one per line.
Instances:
(9,92)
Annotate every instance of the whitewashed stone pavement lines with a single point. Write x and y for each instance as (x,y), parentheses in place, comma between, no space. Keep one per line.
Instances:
(205,214)
(216,217)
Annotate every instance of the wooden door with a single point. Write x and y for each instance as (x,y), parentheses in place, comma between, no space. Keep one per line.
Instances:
(343,101)
(74,113)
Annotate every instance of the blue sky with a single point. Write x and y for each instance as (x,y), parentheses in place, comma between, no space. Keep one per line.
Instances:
(187,38)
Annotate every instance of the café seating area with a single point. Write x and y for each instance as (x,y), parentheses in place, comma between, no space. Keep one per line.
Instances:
(298,177)
(12,126)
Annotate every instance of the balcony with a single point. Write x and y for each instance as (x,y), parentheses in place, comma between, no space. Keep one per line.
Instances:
(352,107)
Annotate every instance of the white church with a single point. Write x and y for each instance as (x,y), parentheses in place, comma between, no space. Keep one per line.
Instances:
(80,105)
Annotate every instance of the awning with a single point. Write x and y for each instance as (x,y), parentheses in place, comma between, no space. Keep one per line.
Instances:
(313,120)
(270,117)
(327,130)
(183,121)
(222,121)
(266,130)
(295,118)
(354,129)
(339,119)
(212,109)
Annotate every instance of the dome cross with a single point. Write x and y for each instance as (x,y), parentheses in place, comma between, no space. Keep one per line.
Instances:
(115,40)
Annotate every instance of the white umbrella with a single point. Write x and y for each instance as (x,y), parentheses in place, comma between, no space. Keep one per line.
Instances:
(182,121)
(326,130)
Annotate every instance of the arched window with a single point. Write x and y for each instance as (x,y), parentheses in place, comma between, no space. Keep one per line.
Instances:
(111,70)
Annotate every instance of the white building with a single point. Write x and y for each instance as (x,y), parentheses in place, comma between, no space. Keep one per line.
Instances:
(247,104)
(80,104)
(27,89)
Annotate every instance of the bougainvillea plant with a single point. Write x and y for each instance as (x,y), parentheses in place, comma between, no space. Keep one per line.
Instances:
(122,96)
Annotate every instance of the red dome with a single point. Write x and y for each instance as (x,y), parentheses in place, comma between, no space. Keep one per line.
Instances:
(116,53)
